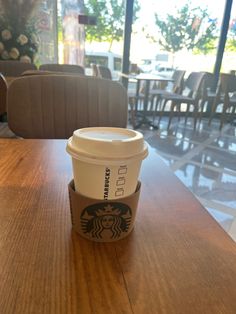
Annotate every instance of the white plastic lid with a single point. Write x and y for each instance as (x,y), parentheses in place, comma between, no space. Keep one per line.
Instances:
(101,145)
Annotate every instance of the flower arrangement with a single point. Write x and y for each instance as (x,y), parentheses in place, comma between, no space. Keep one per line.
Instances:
(18,33)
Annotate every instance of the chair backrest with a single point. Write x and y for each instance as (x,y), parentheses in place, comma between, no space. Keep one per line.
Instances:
(67,68)
(193,83)
(208,84)
(104,72)
(227,83)
(178,77)
(3,94)
(15,68)
(42,72)
(38,72)
(53,106)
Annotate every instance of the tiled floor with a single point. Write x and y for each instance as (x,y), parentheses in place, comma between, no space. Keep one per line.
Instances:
(204,160)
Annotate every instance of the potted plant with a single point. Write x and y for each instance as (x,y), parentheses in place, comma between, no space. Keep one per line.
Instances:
(18,33)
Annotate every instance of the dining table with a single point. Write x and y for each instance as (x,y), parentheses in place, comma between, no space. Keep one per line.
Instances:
(177,259)
(147,78)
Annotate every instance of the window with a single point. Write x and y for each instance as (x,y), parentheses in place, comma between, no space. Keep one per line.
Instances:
(117,64)
(101,60)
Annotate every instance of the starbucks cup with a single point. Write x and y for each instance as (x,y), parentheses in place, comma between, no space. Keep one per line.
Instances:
(106,161)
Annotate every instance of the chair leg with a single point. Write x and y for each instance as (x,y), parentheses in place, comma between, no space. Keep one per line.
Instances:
(213,110)
(132,112)
(186,113)
(211,117)
(162,109)
(201,106)
(233,114)
(171,113)
(152,103)
(222,117)
(195,115)
(155,109)
(179,111)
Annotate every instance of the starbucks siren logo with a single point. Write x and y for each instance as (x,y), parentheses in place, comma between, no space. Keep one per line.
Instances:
(106,220)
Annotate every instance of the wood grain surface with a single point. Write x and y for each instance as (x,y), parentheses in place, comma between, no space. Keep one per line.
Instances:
(177,260)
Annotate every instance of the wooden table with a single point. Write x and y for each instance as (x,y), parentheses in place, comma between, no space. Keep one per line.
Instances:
(177,260)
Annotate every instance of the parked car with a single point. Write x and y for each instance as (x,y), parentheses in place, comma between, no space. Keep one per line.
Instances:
(166,71)
(156,67)
(147,65)
(108,59)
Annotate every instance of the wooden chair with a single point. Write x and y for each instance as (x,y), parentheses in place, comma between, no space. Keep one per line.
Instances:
(190,96)
(226,95)
(104,72)
(53,106)
(15,68)
(3,95)
(178,83)
(64,68)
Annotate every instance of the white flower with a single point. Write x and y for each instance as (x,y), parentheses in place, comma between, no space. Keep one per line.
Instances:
(25,59)
(5,55)
(1,47)
(22,39)
(14,53)
(6,34)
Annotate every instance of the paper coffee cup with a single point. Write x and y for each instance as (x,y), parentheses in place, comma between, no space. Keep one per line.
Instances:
(106,161)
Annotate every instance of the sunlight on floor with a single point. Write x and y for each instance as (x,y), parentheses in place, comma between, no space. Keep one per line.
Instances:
(205,161)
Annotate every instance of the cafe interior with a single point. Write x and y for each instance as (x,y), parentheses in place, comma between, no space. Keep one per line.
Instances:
(180,255)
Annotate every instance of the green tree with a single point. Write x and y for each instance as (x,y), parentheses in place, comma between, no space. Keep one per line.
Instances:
(189,28)
(110,16)
(231,38)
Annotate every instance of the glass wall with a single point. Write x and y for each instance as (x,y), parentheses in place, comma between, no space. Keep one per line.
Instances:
(229,58)
(71,43)
(47,26)
(58,19)
(61,37)
(197,22)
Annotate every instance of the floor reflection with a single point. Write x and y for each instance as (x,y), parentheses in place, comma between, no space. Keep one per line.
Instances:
(205,161)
